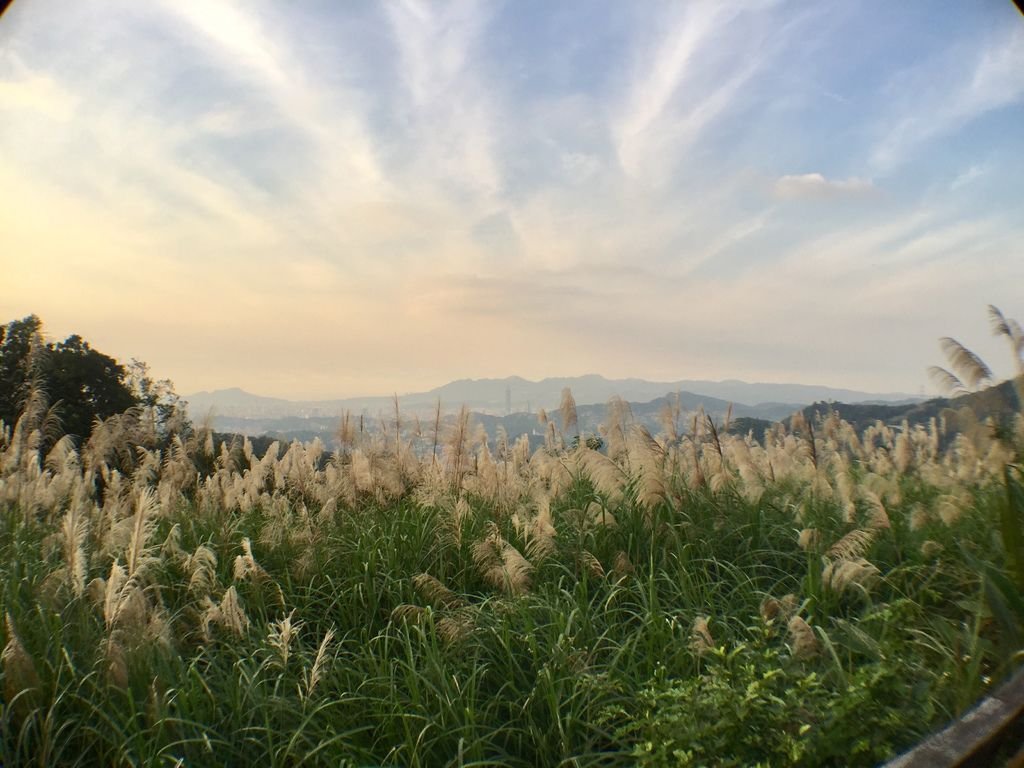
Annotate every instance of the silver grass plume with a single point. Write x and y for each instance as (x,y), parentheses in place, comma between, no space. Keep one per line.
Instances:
(398,425)
(458,446)
(879,519)
(436,593)
(854,544)
(809,539)
(437,432)
(934,439)
(74,530)
(715,434)
(229,614)
(622,566)
(312,678)
(486,482)
(171,548)
(521,454)
(501,444)
(460,513)
(802,639)
(351,433)
(772,609)
(201,569)
(245,566)
(138,555)
(607,476)
(361,472)
(116,661)
(280,636)
(32,425)
(590,565)
(619,414)
(552,438)
(903,456)
(328,512)
(501,565)
(931,549)
(455,628)
(567,410)
(946,381)
(538,530)
(669,416)
(969,368)
(597,516)
(648,458)
(840,575)
(406,613)
(20,676)
(951,506)
(701,641)
(1011,329)
(62,456)
(109,593)
(919,517)
(121,598)
(790,603)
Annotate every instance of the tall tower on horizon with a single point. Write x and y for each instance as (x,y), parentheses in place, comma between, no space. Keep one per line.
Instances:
(508,399)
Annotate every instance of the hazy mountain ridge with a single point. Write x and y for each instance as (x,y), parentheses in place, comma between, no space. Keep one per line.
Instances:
(589,418)
(304,420)
(514,394)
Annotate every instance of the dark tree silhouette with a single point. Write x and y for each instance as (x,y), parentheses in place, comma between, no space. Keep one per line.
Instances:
(83,383)
(88,384)
(20,341)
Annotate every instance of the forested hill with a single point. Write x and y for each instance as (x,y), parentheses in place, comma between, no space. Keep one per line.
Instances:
(998,401)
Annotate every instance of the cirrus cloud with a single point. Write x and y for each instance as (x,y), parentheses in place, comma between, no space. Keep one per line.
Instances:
(814,186)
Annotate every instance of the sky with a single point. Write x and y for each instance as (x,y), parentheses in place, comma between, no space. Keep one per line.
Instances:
(312,199)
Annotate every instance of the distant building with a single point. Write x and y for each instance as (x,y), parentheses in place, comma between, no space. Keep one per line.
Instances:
(508,399)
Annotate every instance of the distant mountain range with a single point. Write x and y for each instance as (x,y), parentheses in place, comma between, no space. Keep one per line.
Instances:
(516,400)
(515,394)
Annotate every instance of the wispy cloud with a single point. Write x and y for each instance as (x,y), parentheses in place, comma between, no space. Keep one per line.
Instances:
(659,77)
(947,92)
(37,93)
(814,186)
(331,121)
(440,190)
(693,70)
(453,123)
(969,176)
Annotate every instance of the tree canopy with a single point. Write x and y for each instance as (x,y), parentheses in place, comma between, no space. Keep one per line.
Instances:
(81,381)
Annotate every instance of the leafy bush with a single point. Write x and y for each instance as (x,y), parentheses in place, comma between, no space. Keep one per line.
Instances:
(756,705)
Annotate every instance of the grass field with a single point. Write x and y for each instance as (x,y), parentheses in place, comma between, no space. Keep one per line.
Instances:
(813,597)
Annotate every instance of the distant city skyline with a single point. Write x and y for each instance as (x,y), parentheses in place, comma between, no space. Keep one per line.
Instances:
(317,200)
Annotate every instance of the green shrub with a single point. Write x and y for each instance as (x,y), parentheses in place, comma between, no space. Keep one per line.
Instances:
(756,705)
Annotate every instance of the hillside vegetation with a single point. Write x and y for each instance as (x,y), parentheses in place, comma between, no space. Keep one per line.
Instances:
(999,403)
(826,597)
